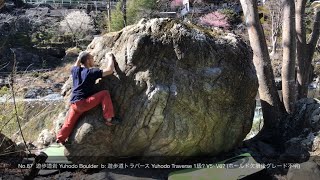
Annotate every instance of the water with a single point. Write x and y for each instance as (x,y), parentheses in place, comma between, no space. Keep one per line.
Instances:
(258,111)
(257,121)
(51,97)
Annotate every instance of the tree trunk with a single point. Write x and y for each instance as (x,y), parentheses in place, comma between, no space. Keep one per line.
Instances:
(275,10)
(305,51)
(109,15)
(301,47)
(270,102)
(274,46)
(124,12)
(289,55)
(310,49)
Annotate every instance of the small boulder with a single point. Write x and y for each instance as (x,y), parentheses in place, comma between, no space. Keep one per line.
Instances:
(32,93)
(45,138)
(37,92)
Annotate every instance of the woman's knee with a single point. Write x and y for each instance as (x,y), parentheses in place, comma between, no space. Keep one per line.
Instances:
(105,92)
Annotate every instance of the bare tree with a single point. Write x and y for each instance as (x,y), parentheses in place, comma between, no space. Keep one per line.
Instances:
(270,101)
(124,12)
(305,50)
(272,108)
(78,24)
(109,15)
(275,10)
(301,44)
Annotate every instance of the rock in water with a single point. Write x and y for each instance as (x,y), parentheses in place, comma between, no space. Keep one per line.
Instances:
(180,90)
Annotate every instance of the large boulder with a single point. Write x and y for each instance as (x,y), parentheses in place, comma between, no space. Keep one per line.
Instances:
(180,90)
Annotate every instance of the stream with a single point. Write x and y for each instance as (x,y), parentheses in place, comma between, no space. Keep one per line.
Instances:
(50,97)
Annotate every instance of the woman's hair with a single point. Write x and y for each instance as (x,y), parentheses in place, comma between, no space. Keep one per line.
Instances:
(83,56)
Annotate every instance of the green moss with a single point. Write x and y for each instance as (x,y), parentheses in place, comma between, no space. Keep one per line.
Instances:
(4,90)
(166,28)
(233,17)
(35,74)
(263,9)
(207,31)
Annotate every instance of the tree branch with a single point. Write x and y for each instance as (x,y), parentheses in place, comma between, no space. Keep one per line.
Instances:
(315,31)
(11,84)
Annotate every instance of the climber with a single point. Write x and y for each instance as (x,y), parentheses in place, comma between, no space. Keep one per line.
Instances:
(83,98)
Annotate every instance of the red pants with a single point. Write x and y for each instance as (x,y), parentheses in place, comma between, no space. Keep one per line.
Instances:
(79,107)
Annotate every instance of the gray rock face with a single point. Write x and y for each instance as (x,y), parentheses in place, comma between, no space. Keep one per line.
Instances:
(45,138)
(307,171)
(301,132)
(180,90)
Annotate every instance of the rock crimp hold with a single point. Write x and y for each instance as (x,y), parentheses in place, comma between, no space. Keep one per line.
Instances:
(181,90)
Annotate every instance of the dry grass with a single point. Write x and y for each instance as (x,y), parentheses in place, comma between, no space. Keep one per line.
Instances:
(33,116)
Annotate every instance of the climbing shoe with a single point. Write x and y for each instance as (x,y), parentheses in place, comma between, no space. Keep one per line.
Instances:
(63,143)
(114,121)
